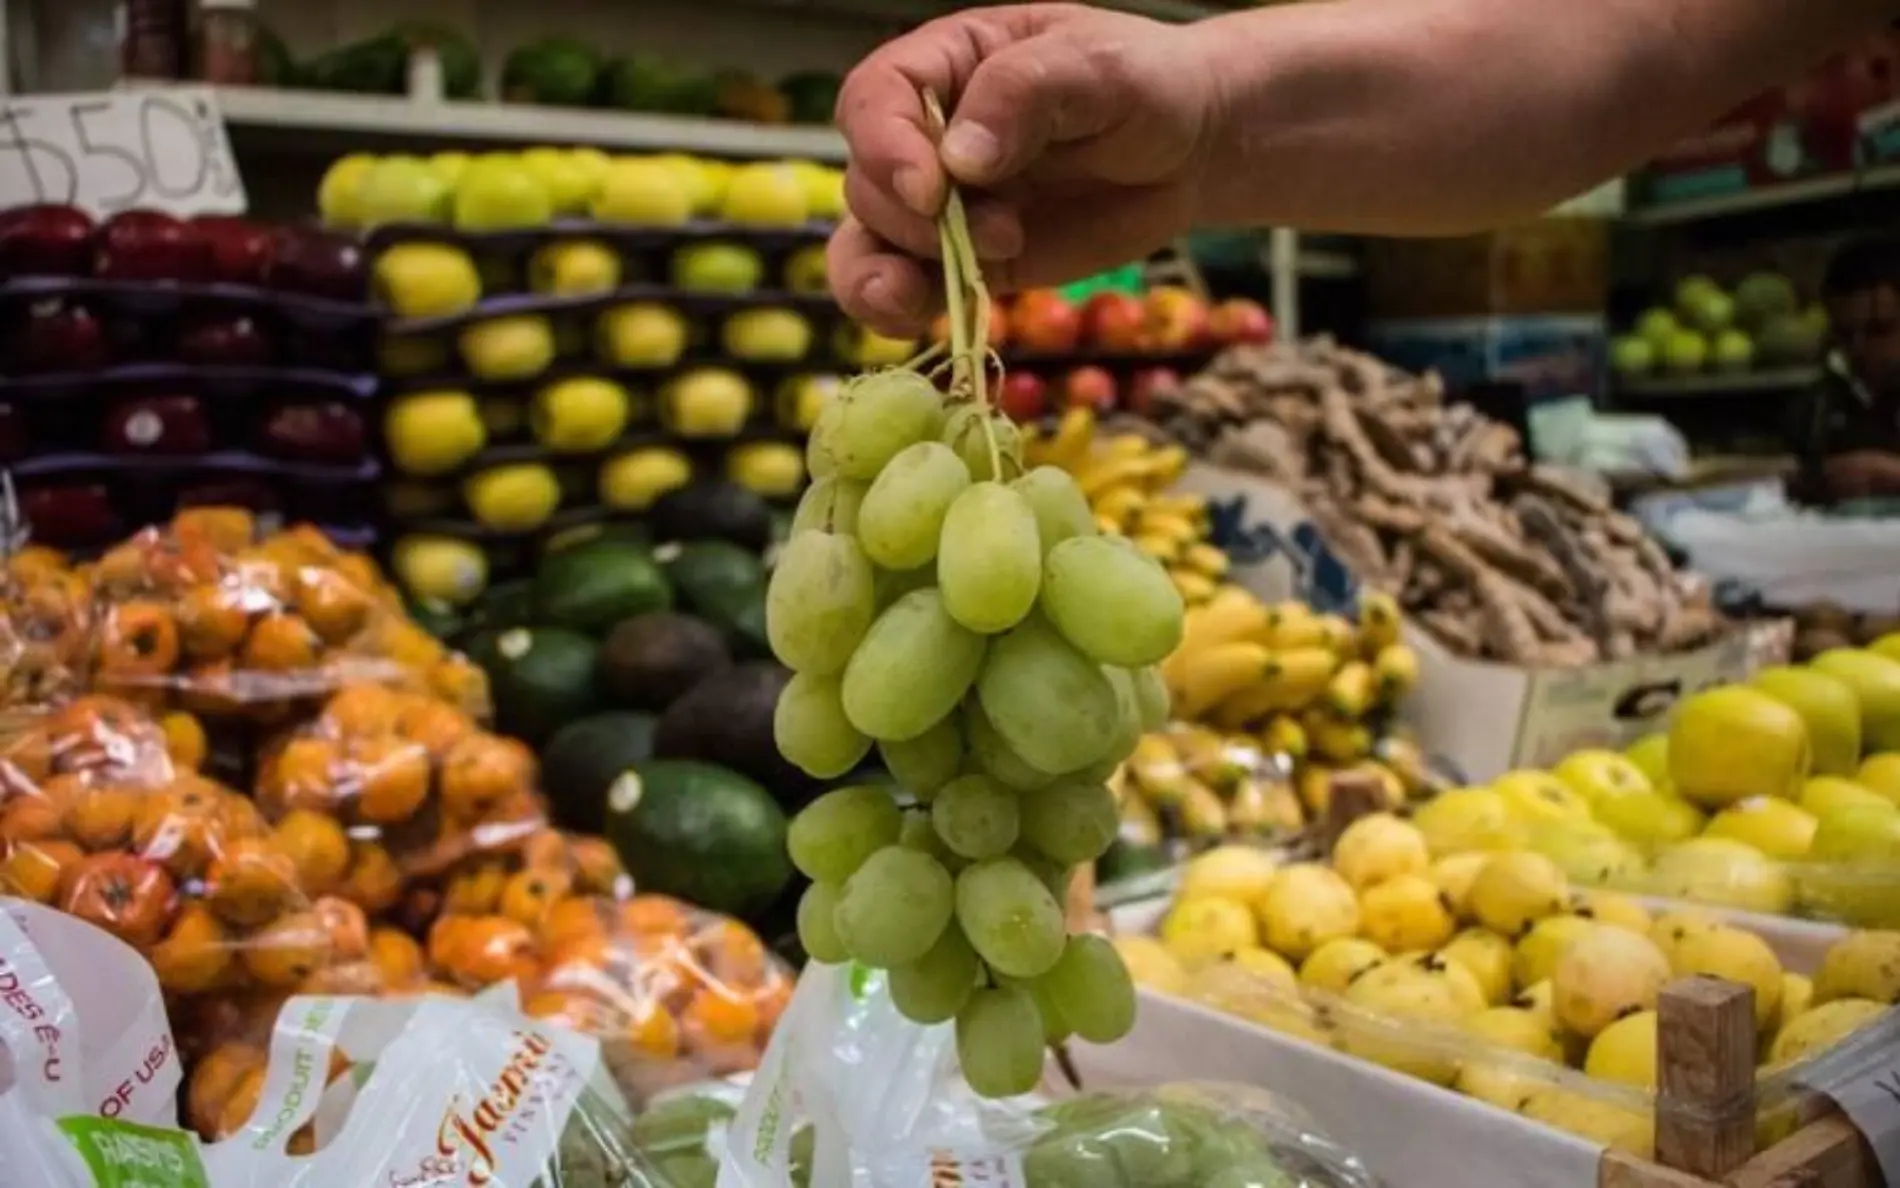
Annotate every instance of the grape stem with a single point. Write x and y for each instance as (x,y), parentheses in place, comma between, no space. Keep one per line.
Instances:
(968,301)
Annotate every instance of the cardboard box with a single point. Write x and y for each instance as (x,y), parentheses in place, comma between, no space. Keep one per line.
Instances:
(1481,717)
(1550,355)
(1555,265)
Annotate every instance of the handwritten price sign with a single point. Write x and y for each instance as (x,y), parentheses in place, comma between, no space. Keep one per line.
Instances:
(161,149)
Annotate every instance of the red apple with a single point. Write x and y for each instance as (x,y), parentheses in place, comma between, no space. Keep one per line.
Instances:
(172,426)
(1113,322)
(318,264)
(240,249)
(1024,396)
(13,433)
(326,431)
(1091,387)
(226,340)
(1238,320)
(1146,385)
(1177,321)
(57,335)
(1045,323)
(70,515)
(146,245)
(999,327)
(45,240)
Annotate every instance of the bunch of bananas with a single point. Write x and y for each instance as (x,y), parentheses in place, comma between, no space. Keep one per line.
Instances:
(1271,702)
(1125,478)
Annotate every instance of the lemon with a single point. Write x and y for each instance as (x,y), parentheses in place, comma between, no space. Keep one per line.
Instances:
(513,498)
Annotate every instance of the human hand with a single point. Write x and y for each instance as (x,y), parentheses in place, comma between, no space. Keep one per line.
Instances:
(1861,474)
(1081,133)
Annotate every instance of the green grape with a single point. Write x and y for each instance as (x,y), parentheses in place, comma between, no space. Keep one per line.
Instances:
(878,415)
(820,602)
(1127,717)
(1012,920)
(889,585)
(1112,602)
(933,988)
(1054,875)
(894,907)
(816,930)
(903,512)
(1091,990)
(1052,705)
(928,762)
(999,1042)
(1070,821)
(963,432)
(920,834)
(1055,1029)
(820,460)
(1151,695)
(913,667)
(1061,511)
(833,835)
(829,505)
(811,730)
(993,756)
(975,816)
(989,564)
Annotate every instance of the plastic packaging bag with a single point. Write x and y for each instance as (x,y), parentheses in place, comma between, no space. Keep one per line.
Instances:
(885,1108)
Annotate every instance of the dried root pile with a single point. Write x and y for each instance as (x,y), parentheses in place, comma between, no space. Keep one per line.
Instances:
(1499,558)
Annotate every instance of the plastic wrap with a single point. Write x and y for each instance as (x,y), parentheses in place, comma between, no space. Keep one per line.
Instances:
(104,816)
(885,1108)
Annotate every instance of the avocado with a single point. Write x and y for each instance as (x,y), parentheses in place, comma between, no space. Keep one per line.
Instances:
(540,678)
(701,832)
(461,61)
(649,661)
(713,509)
(627,532)
(705,573)
(740,617)
(811,95)
(585,757)
(592,587)
(641,83)
(727,718)
(505,604)
(275,66)
(435,616)
(558,71)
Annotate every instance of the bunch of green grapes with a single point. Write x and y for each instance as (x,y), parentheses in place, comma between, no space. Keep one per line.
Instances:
(968,620)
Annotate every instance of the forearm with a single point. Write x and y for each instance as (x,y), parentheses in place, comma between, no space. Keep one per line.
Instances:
(1436,116)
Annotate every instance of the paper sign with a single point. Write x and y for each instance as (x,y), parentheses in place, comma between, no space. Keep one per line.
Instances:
(152,149)
(1862,1075)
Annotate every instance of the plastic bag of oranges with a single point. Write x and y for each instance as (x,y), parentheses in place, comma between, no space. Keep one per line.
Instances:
(674,994)
(210,614)
(104,815)
(45,628)
(384,788)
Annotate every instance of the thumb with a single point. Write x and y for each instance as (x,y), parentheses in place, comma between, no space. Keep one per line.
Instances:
(1025,99)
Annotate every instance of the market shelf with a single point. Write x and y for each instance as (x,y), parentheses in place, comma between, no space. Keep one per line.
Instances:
(1815,189)
(1741,383)
(293,119)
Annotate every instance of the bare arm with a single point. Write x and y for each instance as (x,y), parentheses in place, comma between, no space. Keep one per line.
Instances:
(1429,116)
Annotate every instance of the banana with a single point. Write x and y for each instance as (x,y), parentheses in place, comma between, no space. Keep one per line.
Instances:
(1315,786)
(1209,674)
(1179,529)
(1108,525)
(1299,674)
(1239,712)
(1194,588)
(1261,806)
(1098,475)
(1168,464)
(1379,620)
(1176,503)
(1396,671)
(1127,445)
(1075,433)
(1161,548)
(1205,558)
(1350,692)
(1233,613)
(1202,813)
(1292,625)
(1283,735)
(1121,504)
(1139,824)
(1341,742)
(1159,775)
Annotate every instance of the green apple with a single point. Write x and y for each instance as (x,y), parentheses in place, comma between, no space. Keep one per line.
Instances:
(769,335)
(1632,355)
(806,271)
(581,415)
(1709,310)
(1650,754)
(1655,327)
(1765,295)
(1776,827)
(717,268)
(1685,352)
(498,192)
(695,180)
(337,192)
(640,191)
(633,480)
(1690,291)
(426,280)
(574,268)
(512,348)
(641,334)
(569,185)
(1876,684)
(1731,743)
(1733,350)
(706,402)
(401,189)
(1826,705)
(1880,774)
(765,194)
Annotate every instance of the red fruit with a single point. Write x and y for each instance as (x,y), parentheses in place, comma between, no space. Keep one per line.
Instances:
(999,327)
(1024,396)
(1238,320)
(1045,323)
(57,335)
(226,340)
(240,249)
(1091,387)
(327,431)
(1177,321)
(171,426)
(1113,322)
(318,264)
(70,516)
(45,240)
(1146,385)
(149,246)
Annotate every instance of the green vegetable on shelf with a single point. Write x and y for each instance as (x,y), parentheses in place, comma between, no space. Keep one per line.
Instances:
(647,84)
(374,66)
(558,71)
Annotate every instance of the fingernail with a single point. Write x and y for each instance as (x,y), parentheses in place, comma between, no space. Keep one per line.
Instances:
(914,188)
(970,148)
